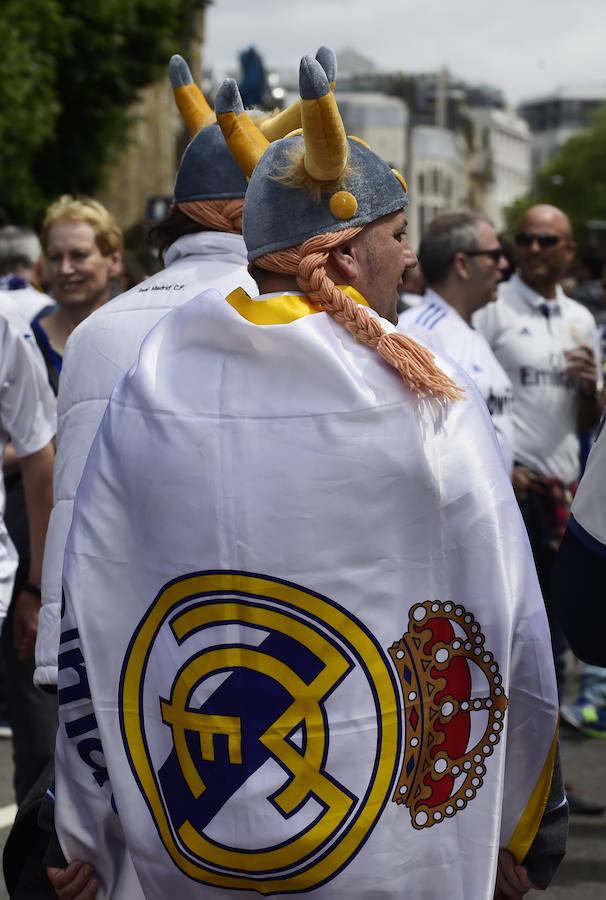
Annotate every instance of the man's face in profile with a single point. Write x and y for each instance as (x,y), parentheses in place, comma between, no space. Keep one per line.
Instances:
(383,255)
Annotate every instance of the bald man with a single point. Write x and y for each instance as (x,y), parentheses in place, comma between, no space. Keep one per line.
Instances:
(548,345)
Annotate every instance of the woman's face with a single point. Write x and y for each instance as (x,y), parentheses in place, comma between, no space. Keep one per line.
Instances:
(79,274)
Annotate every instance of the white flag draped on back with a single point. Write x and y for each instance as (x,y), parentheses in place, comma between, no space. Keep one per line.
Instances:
(303,645)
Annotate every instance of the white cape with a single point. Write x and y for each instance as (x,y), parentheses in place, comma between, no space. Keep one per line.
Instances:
(303,645)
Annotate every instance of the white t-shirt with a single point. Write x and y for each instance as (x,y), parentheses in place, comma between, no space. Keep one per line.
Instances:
(27,419)
(28,301)
(441,327)
(529,336)
(411,300)
(588,514)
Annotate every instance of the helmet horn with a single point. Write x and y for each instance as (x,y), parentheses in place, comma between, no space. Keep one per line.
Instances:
(191,102)
(245,141)
(326,148)
(289,119)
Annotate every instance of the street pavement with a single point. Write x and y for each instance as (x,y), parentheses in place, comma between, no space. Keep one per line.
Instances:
(582,875)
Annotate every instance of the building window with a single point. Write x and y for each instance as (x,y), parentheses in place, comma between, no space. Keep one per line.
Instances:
(421,183)
(422,219)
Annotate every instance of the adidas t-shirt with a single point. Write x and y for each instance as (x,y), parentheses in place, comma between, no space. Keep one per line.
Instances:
(441,327)
(529,336)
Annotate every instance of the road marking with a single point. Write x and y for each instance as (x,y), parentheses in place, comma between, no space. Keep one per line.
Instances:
(7,815)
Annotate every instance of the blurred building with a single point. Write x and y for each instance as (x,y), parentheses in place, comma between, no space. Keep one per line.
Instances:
(498,157)
(437,177)
(555,117)
(441,99)
(379,120)
(487,153)
(353,64)
(465,149)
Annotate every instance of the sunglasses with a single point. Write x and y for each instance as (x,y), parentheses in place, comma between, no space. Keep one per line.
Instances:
(523,239)
(494,254)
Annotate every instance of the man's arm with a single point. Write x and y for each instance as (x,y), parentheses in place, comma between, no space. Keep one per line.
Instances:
(546,851)
(10,465)
(549,845)
(37,474)
(590,408)
(582,364)
(27,414)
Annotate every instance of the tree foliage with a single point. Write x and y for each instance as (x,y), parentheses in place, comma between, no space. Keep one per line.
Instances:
(69,73)
(32,40)
(574,180)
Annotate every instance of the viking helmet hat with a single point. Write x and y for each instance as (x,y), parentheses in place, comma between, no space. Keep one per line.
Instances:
(343,184)
(207,170)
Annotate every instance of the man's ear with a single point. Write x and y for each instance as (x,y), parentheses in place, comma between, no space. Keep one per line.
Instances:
(461,266)
(344,262)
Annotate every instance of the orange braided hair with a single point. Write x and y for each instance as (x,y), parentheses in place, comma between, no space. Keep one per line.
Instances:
(220,215)
(414,363)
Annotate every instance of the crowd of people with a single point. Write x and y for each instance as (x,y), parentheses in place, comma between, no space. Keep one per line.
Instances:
(291,631)
(537,357)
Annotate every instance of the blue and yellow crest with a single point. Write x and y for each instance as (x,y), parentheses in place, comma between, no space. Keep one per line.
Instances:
(234,696)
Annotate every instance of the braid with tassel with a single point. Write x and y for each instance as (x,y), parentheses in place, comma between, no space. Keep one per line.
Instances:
(414,363)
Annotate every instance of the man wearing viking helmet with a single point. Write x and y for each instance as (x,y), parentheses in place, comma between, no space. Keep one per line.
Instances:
(202,246)
(327,671)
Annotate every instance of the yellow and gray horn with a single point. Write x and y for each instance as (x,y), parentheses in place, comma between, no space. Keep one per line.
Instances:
(289,119)
(191,102)
(245,141)
(326,147)
(328,61)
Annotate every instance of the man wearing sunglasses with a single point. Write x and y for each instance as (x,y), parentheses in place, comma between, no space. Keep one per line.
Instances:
(548,345)
(462,263)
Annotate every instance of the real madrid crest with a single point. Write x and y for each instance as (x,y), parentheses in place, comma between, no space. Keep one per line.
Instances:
(232,698)
(245,695)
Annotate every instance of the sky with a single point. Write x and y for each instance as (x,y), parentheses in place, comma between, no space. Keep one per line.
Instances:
(525,47)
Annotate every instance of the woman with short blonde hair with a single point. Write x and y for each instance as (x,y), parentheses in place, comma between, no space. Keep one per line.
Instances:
(82,245)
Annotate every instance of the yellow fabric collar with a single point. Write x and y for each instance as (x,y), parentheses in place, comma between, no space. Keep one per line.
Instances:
(282,309)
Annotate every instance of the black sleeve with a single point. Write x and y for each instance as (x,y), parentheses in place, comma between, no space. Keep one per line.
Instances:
(46,822)
(579,597)
(549,846)
(27,843)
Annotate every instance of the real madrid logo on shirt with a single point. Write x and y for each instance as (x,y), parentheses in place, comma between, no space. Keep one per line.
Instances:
(242,695)
(236,694)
